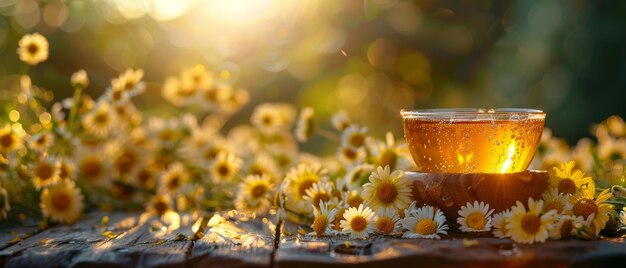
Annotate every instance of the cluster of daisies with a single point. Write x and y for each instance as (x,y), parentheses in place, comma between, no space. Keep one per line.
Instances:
(569,207)
(105,153)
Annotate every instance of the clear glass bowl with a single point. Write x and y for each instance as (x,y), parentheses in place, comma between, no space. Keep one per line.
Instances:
(473,140)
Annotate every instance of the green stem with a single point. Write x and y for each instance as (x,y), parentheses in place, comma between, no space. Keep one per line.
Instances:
(74,110)
(329,135)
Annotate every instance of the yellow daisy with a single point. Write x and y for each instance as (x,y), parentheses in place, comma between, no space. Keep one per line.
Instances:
(62,202)
(565,226)
(358,222)
(475,217)
(100,121)
(129,81)
(10,140)
(271,117)
(116,96)
(33,48)
(145,177)
(80,79)
(165,132)
(387,221)
(306,127)
(351,156)
(387,189)
(215,96)
(425,222)
(322,223)
(529,226)
(352,198)
(127,158)
(566,180)
(499,222)
(225,167)
(173,93)
(553,200)
(586,206)
(41,141)
(5,207)
(340,120)
(258,207)
(45,172)
(354,136)
(159,204)
(173,179)
(320,191)
(263,164)
(197,77)
(256,187)
(93,168)
(301,178)
(67,169)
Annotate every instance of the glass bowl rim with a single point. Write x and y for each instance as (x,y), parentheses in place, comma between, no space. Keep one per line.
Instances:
(475,113)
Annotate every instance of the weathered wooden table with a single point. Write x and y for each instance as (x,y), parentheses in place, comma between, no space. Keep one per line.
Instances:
(133,240)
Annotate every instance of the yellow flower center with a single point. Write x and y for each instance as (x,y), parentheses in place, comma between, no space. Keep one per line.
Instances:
(319,224)
(266,120)
(566,228)
(210,153)
(304,186)
(384,225)
(91,168)
(101,118)
(167,134)
(426,227)
(127,160)
(358,223)
(64,171)
(348,153)
(32,48)
(320,197)
(44,171)
(41,140)
(173,182)
(337,221)
(585,207)
(531,223)
(357,140)
(476,220)
(223,170)
(355,201)
(144,177)
(258,191)
(60,201)
(567,186)
(386,192)
(160,206)
(6,140)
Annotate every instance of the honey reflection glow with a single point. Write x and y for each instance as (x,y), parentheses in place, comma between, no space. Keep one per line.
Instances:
(509,158)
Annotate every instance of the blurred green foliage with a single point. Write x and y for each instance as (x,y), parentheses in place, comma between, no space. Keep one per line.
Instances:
(370,58)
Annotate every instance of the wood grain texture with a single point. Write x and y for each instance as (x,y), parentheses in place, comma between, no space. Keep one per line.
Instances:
(140,241)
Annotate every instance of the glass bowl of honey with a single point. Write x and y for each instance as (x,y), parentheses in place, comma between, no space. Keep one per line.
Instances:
(473,140)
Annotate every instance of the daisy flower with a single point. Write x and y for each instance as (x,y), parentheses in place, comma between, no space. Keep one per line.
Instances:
(173,93)
(33,48)
(173,178)
(127,159)
(352,198)
(322,223)
(358,222)
(5,207)
(566,180)
(93,168)
(354,136)
(61,202)
(263,164)
(225,167)
(340,120)
(67,168)
(553,200)
(499,222)
(585,206)
(196,77)
(355,177)
(165,132)
(258,207)
(320,191)
(145,177)
(475,217)
(305,127)
(100,121)
(41,141)
(80,79)
(10,140)
(45,172)
(424,222)
(159,204)
(387,189)
(302,177)
(387,221)
(565,226)
(129,81)
(529,226)
(351,156)
(271,118)
(256,187)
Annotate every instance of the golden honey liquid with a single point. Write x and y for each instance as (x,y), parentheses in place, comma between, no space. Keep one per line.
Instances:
(472,146)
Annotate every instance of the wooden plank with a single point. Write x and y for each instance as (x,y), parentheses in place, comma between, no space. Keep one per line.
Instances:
(60,245)
(303,251)
(235,243)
